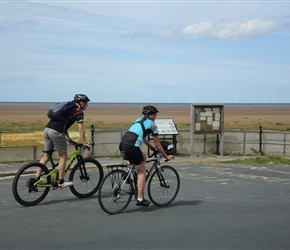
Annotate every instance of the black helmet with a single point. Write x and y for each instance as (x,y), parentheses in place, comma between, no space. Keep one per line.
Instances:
(81,97)
(149,110)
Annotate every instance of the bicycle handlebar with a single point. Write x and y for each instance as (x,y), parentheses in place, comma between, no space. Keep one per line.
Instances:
(76,144)
(155,153)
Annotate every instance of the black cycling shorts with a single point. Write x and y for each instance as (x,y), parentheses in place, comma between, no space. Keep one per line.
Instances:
(134,154)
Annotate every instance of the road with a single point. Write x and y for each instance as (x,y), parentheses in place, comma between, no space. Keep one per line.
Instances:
(223,206)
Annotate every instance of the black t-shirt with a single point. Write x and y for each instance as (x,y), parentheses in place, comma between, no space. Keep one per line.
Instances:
(75,115)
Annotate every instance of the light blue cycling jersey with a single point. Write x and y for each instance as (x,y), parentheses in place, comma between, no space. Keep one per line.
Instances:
(136,134)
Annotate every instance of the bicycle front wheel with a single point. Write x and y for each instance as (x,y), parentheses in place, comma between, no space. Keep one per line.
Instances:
(25,188)
(87,177)
(115,194)
(163,186)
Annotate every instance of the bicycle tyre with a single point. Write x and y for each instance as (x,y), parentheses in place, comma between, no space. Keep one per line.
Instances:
(86,186)
(112,199)
(24,192)
(159,195)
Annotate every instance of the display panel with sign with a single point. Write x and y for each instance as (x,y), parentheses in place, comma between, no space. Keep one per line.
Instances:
(208,118)
(166,127)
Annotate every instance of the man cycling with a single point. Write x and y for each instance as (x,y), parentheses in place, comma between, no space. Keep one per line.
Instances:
(131,143)
(56,134)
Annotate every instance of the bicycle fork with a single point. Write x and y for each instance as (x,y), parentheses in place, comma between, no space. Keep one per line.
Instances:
(83,172)
(161,177)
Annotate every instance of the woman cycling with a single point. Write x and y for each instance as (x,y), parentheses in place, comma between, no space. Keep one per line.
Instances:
(131,142)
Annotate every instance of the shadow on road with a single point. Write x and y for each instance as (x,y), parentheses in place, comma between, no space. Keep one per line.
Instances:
(152,207)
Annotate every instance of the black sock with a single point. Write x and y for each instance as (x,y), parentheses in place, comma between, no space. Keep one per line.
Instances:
(61,181)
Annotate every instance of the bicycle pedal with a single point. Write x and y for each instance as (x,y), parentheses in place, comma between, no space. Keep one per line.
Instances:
(54,185)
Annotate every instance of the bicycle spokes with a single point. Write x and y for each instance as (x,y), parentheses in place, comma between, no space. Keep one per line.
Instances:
(87,174)
(115,192)
(27,190)
(163,186)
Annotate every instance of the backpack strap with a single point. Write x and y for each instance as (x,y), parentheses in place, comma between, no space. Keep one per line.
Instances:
(142,125)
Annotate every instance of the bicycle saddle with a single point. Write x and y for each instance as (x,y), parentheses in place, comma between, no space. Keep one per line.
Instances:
(126,157)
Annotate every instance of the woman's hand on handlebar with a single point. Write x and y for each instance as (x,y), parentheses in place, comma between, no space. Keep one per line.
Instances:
(169,157)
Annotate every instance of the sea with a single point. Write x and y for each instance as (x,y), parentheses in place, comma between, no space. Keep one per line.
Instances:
(143,103)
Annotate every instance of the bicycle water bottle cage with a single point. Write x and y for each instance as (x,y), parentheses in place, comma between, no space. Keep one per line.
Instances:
(126,157)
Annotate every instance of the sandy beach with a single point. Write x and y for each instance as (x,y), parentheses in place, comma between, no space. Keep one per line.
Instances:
(19,116)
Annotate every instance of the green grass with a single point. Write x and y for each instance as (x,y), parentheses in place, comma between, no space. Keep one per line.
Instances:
(22,127)
(265,159)
(39,126)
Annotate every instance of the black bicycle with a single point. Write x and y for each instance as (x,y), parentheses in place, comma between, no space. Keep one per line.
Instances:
(120,184)
(87,174)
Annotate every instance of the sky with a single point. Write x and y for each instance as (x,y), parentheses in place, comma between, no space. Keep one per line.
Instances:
(145,51)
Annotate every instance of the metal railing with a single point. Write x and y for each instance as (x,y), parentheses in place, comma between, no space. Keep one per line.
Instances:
(105,143)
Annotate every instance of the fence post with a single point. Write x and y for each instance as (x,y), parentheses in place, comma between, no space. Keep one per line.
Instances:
(260,143)
(217,145)
(204,143)
(92,153)
(284,146)
(244,142)
(34,153)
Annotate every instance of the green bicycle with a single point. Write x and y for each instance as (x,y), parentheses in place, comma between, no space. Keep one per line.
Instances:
(87,174)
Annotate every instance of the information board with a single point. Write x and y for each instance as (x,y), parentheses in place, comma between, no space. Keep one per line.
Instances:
(208,119)
(166,127)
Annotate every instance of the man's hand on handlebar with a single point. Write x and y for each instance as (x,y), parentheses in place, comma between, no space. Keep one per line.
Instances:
(87,146)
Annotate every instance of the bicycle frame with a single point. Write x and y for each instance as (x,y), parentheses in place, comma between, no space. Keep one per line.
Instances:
(155,165)
(131,171)
(72,156)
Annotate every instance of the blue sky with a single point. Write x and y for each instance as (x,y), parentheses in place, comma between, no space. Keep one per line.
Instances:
(145,51)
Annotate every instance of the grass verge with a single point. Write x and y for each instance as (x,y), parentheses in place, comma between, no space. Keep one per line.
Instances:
(265,159)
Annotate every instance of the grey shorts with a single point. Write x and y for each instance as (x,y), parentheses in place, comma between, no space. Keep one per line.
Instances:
(54,139)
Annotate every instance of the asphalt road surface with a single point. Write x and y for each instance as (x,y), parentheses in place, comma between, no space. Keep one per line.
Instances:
(223,206)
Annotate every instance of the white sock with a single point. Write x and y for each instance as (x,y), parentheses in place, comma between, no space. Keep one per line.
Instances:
(140,199)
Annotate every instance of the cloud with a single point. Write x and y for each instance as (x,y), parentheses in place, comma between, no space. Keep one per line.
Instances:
(224,30)
(134,34)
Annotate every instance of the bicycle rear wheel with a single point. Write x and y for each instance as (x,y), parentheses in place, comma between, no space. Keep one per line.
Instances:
(115,194)
(163,186)
(24,189)
(87,178)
